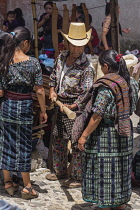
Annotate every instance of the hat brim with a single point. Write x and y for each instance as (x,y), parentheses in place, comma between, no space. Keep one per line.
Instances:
(78,42)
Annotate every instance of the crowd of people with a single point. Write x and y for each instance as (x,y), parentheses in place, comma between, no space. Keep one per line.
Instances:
(101,136)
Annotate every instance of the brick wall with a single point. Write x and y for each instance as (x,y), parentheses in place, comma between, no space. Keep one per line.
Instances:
(3,11)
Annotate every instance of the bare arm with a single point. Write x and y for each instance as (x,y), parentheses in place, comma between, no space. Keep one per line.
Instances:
(40,23)
(104,40)
(41,99)
(1,93)
(92,125)
(106,26)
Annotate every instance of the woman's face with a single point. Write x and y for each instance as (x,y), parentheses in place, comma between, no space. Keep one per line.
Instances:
(48,9)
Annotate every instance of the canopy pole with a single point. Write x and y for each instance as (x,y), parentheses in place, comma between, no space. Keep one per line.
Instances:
(33,3)
(73,15)
(87,26)
(65,26)
(54,29)
(115,25)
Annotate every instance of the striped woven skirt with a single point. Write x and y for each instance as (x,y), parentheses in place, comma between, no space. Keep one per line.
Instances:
(16,134)
(107,167)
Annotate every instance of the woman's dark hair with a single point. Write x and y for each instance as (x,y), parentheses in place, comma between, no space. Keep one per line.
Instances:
(18,12)
(109,57)
(82,19)
(90,19)
(107,9)
(10,13)
(48,3)
(8,43)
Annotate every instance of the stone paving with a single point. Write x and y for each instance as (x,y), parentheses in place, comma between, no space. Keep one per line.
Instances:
(54,197)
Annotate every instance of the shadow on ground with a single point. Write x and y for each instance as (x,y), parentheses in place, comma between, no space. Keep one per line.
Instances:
(85,206)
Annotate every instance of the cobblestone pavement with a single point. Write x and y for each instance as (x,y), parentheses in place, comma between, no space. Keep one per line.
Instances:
(53,197)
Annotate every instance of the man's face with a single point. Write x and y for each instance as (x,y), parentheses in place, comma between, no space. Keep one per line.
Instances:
(76,51)
(48,9)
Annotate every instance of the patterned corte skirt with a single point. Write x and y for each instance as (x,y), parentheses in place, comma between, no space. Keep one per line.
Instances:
(63,126)
(107,167)
(16,134)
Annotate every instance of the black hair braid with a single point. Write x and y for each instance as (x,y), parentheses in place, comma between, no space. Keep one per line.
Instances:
(107,9)
(7,50)
(123,72)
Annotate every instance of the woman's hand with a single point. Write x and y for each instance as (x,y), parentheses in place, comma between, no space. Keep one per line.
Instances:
(81,143)
(43,117)
(47,16)
(126,30)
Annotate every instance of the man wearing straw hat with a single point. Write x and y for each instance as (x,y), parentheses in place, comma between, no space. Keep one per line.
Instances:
(71,78)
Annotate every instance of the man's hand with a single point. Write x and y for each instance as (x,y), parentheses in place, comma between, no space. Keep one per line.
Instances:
(52,95)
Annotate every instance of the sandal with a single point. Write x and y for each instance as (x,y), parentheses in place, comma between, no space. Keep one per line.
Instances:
(29,195)
(54,177)
(10,190)
(71,183)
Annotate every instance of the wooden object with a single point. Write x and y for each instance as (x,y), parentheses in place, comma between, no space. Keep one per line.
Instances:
(73,15)
(71,115)
(39,126)
(65,26)
(114,25)
(3,11)
(54,29)
(33,4)
(87,26)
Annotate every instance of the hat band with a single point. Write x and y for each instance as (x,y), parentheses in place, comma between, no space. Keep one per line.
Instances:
(78,39)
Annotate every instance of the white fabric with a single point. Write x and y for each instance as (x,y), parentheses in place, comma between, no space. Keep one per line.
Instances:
(65,68)
(131,60)
(95,62)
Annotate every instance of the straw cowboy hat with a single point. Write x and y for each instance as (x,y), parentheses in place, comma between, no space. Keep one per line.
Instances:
(77,34)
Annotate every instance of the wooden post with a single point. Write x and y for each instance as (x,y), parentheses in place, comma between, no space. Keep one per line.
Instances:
(73,15)
(33,3)
(65,26)
(87,26)
(118,24)
(3,11)
(114,25)
(54,29)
